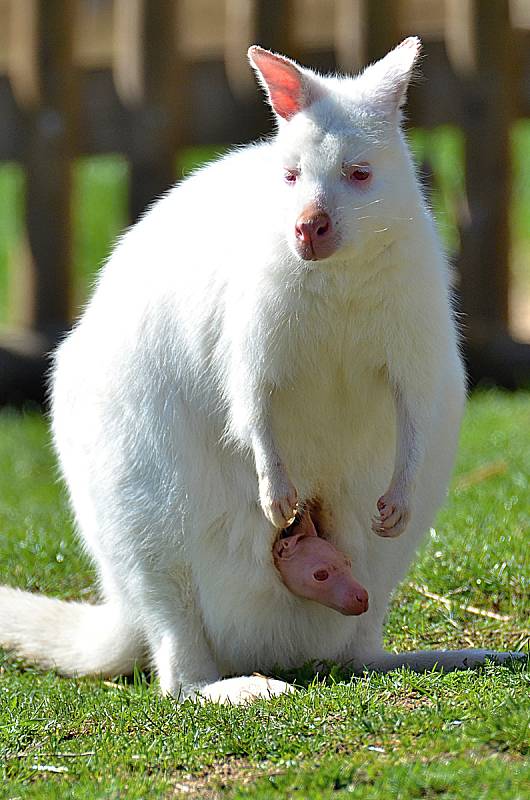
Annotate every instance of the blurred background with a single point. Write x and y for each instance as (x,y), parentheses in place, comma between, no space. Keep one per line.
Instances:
(105,103)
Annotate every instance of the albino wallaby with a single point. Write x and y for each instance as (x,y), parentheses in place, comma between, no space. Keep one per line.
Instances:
(276,330)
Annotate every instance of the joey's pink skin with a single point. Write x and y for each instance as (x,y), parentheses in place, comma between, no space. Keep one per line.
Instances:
(313,568)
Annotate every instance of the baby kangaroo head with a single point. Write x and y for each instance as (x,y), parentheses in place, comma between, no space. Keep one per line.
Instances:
(342,169)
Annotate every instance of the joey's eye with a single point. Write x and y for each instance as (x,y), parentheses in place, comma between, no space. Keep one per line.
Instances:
(291,175)
(359,172)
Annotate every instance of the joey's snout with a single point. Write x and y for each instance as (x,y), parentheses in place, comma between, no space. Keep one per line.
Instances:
(313,568)
(315,237)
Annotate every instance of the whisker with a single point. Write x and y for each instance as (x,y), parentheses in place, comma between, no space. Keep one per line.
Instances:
(371,203)
(359,208)
(391,219)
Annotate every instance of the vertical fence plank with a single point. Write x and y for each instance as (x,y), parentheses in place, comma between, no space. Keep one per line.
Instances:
(349,34)
(488,98)
(273,25)
(239,35)
(156,121)
(364,31)
(381,28)
(44,84)
(487,107)
(48,154)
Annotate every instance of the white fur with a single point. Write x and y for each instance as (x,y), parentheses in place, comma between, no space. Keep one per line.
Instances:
(209,352)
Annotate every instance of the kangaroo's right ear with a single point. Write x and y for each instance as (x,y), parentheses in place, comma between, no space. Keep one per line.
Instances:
(384,84)
(289,88)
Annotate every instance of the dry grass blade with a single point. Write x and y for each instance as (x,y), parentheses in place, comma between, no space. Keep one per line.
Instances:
(481,612)
(481,474)
(49,768)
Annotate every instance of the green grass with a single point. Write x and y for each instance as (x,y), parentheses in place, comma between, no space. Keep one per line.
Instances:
(464,736)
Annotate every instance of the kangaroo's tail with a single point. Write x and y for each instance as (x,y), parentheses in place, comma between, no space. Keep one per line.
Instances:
(74,638)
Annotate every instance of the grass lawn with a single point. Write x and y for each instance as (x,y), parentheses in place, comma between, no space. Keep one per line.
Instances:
(464,735)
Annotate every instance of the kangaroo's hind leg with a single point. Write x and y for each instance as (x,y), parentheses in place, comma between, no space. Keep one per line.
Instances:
(169,616)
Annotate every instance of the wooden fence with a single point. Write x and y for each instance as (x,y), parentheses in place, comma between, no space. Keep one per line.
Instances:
(147,77)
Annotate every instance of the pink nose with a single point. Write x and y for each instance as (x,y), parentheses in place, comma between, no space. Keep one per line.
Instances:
(313,231)
(313,228)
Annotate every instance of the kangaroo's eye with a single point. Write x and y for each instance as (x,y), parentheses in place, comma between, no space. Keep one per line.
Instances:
(291,175)
(359,172)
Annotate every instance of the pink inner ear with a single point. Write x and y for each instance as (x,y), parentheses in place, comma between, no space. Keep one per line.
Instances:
(283,81)
(284,101)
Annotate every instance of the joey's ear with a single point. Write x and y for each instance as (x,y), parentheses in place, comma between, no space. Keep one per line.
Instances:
(290,89)
(385,83)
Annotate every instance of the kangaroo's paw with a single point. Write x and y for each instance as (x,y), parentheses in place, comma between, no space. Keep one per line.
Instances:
(278,499)
(394,514)
(244,689)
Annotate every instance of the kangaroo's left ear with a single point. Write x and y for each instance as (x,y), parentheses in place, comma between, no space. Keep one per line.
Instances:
(289,87)
(384,83)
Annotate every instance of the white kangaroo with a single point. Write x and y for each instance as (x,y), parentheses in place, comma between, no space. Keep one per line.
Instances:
(276,330)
